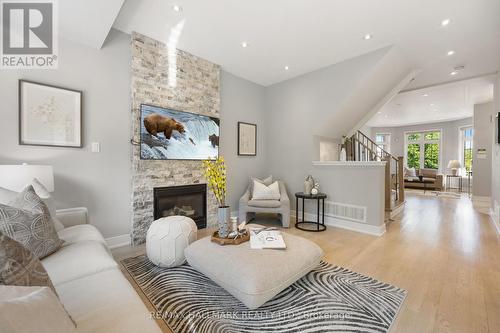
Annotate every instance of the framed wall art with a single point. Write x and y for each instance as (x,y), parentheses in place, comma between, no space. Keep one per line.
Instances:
(247,139)
(49,115)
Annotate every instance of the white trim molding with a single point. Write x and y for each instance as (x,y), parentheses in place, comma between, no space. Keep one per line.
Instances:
(118,241)
(345,224)
(350,163)
(481,199)
(495,215)
(422,141)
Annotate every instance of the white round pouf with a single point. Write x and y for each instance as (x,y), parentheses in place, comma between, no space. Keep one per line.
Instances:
(167,238)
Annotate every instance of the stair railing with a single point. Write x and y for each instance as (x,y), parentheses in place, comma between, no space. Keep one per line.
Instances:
(359,147)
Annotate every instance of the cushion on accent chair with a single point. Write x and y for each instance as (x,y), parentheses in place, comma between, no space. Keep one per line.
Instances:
(32,310)
(19,267)
(27,220)
(264,203)
(263,192)
(266,181)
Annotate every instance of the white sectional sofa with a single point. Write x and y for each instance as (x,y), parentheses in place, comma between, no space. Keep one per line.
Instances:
(89,281)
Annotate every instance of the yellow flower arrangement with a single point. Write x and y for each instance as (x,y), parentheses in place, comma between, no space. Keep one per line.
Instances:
(215,173)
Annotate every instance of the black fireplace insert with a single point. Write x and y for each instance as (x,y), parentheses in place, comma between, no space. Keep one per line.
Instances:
(187,200)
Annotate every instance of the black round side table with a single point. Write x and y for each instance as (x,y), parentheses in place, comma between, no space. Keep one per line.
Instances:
(316,226)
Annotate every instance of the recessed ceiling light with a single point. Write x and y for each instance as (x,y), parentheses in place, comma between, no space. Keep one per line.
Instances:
(445,22)
(177,8)
(287,68)
(367,36)
(433,104)
(385,116)
(454,73)
(379,112)
(450,53)
(244,44)
(425,95)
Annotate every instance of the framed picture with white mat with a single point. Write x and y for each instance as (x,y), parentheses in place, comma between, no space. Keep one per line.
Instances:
(49,115)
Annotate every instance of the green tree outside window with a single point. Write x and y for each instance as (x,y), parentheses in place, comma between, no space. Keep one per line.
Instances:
(431,155)
(423,146)
(432,135)
(468,155)
(414,137)
(413,155)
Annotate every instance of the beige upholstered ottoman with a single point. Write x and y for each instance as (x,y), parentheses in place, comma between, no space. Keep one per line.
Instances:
(254,276)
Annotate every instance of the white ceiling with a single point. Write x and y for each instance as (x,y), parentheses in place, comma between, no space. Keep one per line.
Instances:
(309,34)
(87,21)
(445,102)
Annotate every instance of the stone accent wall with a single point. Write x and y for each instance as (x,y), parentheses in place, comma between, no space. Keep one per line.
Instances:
(197,91)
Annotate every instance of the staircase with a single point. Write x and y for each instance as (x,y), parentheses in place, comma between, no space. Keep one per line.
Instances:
(360,147)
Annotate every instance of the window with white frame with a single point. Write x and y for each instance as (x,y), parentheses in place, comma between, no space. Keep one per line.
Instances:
(423,149)
(466,144)
(383,140)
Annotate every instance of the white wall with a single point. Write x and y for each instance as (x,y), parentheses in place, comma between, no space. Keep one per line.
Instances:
(360,186)
(450,138)
(241,100)
(100,181)
(495,183)
(483,139)
(300,109)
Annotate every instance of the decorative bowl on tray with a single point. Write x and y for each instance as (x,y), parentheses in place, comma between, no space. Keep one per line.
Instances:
(237,238)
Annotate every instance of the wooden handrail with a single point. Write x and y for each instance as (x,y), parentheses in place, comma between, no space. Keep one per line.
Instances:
(360,146)
(384,152)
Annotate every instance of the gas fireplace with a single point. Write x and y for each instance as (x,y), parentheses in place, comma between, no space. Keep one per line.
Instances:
(187,200)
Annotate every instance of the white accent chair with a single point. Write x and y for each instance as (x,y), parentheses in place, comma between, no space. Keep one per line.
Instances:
(249,207)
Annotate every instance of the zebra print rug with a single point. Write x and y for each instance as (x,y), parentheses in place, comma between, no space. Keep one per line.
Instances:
(328,299)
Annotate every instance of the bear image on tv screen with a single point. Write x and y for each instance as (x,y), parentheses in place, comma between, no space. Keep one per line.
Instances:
(156,123)
(171,134)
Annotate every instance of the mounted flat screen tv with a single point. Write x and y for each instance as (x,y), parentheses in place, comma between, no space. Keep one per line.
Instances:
(168,134)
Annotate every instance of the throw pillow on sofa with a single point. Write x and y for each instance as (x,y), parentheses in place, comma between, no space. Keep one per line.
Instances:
(263,192)
(32,310)
(6,196)
(27,220)
(410,172)
(19,267)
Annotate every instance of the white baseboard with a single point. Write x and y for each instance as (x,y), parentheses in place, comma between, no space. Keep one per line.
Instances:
(118,241)
(397,211)
(346,224)
(481,199)
(495,216)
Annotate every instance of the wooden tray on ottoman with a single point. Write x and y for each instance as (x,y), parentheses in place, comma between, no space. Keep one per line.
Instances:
(229,241)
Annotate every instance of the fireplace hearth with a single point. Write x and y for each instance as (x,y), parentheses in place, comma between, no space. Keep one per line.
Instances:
(187,200)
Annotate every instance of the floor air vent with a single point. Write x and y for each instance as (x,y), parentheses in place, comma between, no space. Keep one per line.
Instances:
(345,211)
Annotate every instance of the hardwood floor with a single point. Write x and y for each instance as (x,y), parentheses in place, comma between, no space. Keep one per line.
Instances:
(442,251)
